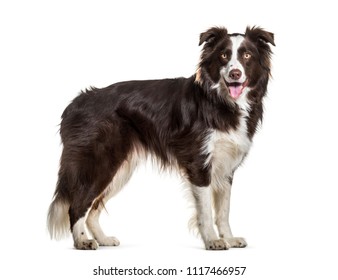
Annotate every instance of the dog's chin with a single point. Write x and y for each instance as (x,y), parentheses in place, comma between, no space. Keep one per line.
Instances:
(236,89)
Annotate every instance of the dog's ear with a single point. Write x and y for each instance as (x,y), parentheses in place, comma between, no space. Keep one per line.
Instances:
(259,35)
(212,35)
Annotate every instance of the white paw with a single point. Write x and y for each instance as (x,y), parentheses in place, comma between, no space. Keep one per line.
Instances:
(236,242)
(219,244)
(109,241)
(87,244)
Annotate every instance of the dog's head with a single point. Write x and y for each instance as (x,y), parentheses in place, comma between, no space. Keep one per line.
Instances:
(233,63)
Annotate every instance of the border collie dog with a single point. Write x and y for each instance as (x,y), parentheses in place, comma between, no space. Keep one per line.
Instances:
(202,126)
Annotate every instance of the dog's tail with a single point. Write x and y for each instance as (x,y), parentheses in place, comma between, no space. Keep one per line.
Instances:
(58,219)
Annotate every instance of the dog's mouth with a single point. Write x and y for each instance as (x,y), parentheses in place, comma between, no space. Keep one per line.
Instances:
(236,89)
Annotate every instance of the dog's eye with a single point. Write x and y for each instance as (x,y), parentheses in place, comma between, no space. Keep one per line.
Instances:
(224,55)
(246,55)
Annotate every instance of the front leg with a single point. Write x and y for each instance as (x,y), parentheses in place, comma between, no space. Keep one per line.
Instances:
(203,203)
(222,209)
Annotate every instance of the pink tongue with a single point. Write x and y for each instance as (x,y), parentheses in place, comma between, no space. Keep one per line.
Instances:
(235,91)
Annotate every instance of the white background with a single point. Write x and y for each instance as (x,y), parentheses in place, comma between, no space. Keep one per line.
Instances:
(284,196)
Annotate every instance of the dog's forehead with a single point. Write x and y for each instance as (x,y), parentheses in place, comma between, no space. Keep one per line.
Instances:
(236,40)
(233,39)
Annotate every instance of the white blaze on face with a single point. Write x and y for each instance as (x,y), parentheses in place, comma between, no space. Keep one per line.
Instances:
(236,86)
(234,63)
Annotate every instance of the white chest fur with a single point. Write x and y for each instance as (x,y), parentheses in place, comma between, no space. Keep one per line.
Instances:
(226,151)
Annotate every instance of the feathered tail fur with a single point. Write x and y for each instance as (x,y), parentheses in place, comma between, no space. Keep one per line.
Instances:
(58,219)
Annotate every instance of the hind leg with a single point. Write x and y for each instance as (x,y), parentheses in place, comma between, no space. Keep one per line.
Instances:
(95,228)
(81,240)
(78,213)
(120,179)
(79,209)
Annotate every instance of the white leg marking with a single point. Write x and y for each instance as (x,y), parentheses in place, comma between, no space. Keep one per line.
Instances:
(96,230)
(81,240)
(205,223)
(222,207)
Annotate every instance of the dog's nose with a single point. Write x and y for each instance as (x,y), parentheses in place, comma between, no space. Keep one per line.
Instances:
(235,74)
